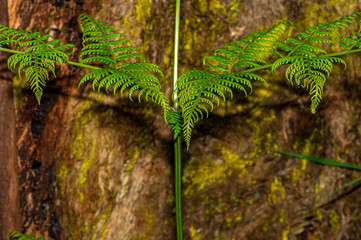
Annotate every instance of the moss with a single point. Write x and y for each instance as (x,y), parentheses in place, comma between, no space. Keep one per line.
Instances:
(135,155)
(296,174)
(319,214)
(86,164)
(210,172)
(232,220)
(257,136)
(285,233)
(277,191)
(187,38)
(62,173)
(104,219)
(195,235)
(82,149)
(147,222)
(234,5)
(216,7)
(125,21)
(283,216)
(84,156)
(311,144)
(316,236)
(143,10)
(334,221)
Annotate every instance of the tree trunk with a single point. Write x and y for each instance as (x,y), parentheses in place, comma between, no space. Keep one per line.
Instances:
(95,166)
(9,177)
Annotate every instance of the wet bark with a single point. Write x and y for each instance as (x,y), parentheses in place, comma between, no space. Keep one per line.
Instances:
(9,183)
(95,166)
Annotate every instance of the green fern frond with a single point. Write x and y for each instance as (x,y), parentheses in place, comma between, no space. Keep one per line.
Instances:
(309,73)
(251,51)
(17,235)
(328,32)
(40,52)
(200,91)
(103,44)
(353,41)
(309,65)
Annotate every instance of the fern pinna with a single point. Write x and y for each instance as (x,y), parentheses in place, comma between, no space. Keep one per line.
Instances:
(38,56)
(101,44)
(199,90)
(17,235)
(308,61)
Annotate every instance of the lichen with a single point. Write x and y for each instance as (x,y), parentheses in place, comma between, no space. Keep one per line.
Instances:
(210,172)
(195,235)
(257,137)
(86,165)
(277,190)
(135,153)
(62,174)
(334,221)
(143,9)
(311,145)
(285,233)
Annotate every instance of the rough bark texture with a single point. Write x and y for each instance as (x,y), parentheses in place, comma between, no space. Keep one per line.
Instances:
(9,181)
(99,167)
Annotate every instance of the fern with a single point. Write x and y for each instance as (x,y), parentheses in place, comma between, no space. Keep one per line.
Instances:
(251,51)
(17,235)
(175,120)
(101,44)
(309,66)
(200,90)
(350,43)
(38,56)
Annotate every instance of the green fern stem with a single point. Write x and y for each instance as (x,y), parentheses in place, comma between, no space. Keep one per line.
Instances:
(178,187)
(177,142)
(82,65)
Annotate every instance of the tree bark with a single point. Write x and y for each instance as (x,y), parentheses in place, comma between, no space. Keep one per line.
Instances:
(9,200)
(95,166)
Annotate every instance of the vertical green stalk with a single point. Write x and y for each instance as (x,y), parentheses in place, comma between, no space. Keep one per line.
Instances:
(177,142)
(178,188)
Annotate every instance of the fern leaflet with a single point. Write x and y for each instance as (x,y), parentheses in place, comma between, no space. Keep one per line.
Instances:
(251,51)
(350,43)
(308,65)
(17,235)
(38,57)
(102,44)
